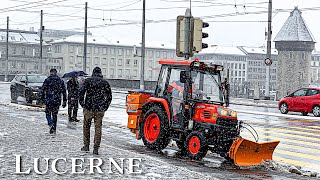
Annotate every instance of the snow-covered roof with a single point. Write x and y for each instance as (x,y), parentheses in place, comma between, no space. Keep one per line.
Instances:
(17,37)
(106,41)
(229,50)
(258,50)
(295,29)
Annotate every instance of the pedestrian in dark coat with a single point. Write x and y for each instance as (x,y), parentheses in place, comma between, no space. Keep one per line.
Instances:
(95,97)
(73,99)
(52,89)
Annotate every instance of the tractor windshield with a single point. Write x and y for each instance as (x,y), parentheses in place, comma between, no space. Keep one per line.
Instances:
(207,87)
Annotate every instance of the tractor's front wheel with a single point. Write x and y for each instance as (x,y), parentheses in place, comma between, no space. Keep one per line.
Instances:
(154,129)
(196,146)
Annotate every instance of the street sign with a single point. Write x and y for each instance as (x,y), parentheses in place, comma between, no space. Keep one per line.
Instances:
(268,61)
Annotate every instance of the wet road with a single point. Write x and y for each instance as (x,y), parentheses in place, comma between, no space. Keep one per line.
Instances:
(299,136)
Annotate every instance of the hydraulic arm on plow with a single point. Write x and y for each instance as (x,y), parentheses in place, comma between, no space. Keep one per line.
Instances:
(189,106)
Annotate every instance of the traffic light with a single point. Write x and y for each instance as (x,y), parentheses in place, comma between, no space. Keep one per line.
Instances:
(180,37)
(198,35)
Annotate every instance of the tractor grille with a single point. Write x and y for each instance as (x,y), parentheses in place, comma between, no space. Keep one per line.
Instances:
(206,114)
(227,122)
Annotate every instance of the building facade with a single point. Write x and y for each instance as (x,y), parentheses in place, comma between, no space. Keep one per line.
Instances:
(116,59)
(23,52)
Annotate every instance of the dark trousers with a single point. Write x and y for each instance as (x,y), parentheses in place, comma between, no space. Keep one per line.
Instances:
(72,109)
(52,116)
(88,116)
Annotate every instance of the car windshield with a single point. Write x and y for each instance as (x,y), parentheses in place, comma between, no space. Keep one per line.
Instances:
(205,87)
(36,78)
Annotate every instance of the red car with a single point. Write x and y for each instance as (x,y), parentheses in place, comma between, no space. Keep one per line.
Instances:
(304,100)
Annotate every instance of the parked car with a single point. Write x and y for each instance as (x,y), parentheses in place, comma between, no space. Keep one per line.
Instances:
(304,100)
(27,86)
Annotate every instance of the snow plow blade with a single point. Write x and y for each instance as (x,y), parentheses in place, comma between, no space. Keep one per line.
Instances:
(249,153)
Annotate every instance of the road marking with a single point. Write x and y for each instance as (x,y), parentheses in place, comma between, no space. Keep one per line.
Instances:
(297,132)
(286,140)
(317,127)
(288,135)
(278,115)
(297,154)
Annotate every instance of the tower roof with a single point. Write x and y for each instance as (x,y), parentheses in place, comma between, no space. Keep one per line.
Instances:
(295,29)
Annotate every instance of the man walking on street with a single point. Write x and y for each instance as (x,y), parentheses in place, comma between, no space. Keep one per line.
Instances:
(73,98)
(52,89)
(95,97)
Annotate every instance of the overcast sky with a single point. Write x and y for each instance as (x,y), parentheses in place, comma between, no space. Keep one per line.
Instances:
(121,19)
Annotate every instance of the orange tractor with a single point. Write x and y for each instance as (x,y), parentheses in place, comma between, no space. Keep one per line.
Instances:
(190,106)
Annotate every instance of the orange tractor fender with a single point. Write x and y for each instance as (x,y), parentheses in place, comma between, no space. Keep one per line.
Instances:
(162,102)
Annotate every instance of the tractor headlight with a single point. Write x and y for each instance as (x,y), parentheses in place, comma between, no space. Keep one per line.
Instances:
(224,112)
(233,114)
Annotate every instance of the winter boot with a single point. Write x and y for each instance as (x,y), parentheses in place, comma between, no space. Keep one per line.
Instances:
(96,150)
(52,131)
(85,148)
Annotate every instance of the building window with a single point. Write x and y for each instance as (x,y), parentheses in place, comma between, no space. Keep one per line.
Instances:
(235,73)
(119,62)
(14,50)
(96,61)
(243,66)
(79,60)
(150,53)
(23,51)
(128,62)
(239,73)
(13,38)
(79,50)
(71,60)
(111,72)
(104,71)
(112,62)
(112,51)
(104,61)
(243,73)
(96,50)
(128,73)
(119,72)
(57,49)
(150,74)
(128,52)
(291,55)
(158,54)
(71,49)
(36,66)
(88,50)
(104,50)
(23,65)
(135,62)
(303,55)
(164,54)
(88,62)
(150,63)
(120,51)
(135,73)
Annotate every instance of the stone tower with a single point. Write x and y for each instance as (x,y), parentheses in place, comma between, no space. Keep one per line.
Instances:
(294,43)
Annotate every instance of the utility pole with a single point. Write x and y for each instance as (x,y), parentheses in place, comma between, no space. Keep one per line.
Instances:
(267,88)
(41,28)
(85,38)
(143,45)
(7,51)
(187,34)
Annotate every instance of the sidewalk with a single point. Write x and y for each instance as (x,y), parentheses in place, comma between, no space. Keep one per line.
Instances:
(251,102)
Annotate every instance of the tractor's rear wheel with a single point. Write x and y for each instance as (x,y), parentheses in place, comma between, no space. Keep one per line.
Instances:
(154,129)
(196,146)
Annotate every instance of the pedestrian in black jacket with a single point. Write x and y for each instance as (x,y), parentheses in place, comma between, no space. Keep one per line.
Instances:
(95,97)
(52,89)
(73,99)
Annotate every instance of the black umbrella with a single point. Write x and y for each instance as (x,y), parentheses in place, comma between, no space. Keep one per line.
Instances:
(74,74)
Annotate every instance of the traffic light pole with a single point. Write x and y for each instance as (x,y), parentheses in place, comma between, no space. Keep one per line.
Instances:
(85,38)
(41,28)
(187,34)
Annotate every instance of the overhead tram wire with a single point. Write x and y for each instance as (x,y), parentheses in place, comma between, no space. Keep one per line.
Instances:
(32,6)
(65,5)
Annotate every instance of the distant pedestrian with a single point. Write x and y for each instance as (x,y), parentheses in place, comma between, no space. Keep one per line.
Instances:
(52,89)
(95,97)
(73,99)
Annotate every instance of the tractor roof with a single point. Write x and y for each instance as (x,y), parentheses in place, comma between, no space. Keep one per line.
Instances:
(176,62)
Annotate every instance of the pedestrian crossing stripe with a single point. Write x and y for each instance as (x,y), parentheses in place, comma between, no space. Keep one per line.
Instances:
(288,135)
(305,129)
(317,127)
(290,146)
(286,140)
(296,163)
(296,132)
(297,154)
